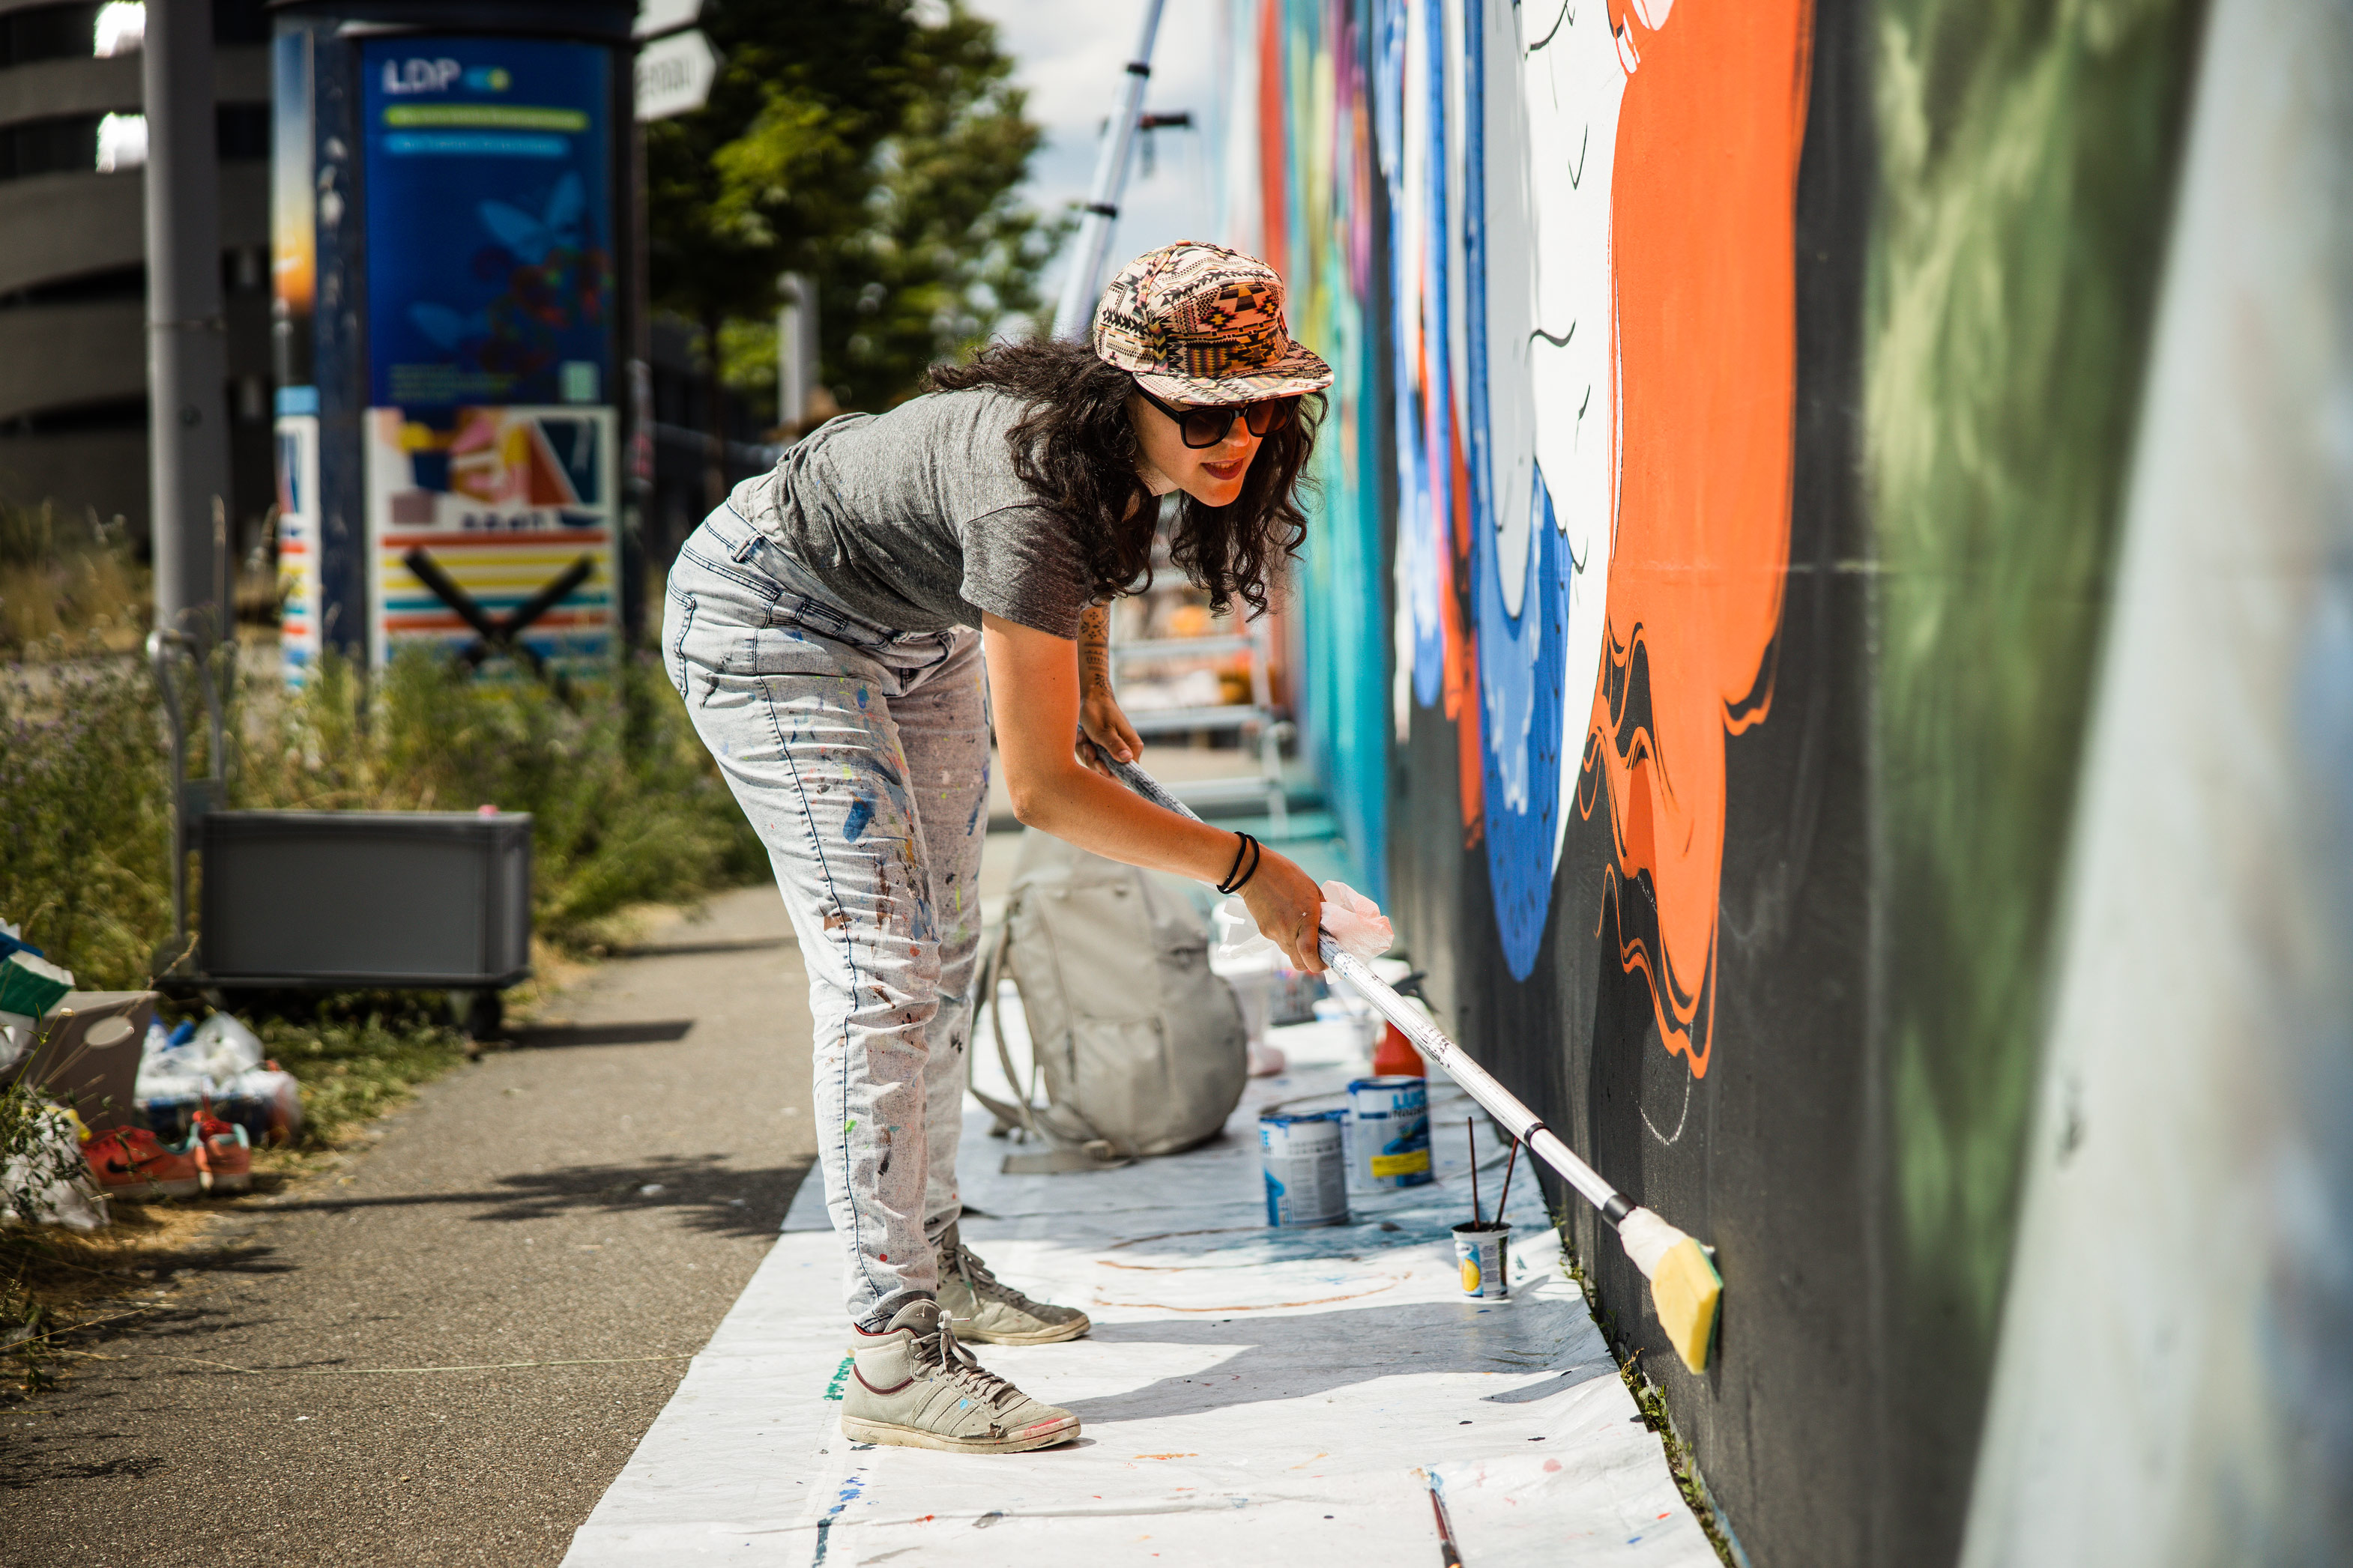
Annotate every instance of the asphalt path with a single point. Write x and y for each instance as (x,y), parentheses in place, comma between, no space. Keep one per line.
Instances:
(597,1196)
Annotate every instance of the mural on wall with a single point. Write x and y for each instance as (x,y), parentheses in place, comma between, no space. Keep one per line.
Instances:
(1595,365)
(1765,373)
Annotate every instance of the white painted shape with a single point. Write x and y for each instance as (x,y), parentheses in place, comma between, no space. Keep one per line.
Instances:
(1220,1423)
(1457,145)
(1575,88)
(1509,224)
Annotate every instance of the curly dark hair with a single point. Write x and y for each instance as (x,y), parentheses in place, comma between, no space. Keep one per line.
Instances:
(1077,451)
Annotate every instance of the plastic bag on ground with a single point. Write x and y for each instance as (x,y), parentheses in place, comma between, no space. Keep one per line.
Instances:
(52,1179)
(16,1036)
(226,1046)
(168,1070)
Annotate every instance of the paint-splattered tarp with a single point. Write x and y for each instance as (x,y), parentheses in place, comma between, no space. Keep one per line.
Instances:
(1247,1394)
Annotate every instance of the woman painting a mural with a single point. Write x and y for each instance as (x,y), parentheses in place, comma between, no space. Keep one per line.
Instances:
(829,627)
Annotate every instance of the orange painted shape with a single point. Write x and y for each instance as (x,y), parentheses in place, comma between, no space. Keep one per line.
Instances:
(1704,261)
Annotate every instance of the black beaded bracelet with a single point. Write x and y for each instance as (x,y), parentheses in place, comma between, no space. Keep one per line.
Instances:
(1256,853)
(1235,877)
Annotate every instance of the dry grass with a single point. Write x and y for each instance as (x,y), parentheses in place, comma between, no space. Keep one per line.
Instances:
(58,1290)
(66,578)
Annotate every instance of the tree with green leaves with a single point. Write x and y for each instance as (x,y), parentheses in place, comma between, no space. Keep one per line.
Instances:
(875,146)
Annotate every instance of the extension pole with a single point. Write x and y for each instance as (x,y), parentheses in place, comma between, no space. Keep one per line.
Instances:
(1428,1039)
(1084,281)
(187,356)
(1685,1286)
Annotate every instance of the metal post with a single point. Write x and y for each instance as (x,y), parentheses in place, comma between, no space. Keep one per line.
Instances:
(1076,312)
(639,519)
(797,360)
(187,367)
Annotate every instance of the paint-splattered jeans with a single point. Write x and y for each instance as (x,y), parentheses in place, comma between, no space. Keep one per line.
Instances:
(860,755)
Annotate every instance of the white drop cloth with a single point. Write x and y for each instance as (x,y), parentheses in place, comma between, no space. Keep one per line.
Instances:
(1248,1395)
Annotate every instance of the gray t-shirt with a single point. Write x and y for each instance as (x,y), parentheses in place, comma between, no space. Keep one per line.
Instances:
(915,520)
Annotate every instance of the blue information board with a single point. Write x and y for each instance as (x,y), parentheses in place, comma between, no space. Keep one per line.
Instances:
(489,441)
(489,255)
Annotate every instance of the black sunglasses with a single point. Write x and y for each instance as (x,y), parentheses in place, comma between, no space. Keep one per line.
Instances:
(1208,424)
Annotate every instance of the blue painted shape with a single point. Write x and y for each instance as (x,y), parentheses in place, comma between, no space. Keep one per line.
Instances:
(861,812)
(1522,657)
(1523,663)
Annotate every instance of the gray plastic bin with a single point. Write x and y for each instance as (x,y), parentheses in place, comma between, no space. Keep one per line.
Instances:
(425,898)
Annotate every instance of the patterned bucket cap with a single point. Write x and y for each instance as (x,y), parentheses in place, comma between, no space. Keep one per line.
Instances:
(1200,323)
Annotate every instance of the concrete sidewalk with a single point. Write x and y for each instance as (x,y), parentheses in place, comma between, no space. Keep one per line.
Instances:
(601,1195)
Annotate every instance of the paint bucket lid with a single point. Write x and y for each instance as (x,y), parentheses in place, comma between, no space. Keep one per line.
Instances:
(1389,1080)
(1285,1118)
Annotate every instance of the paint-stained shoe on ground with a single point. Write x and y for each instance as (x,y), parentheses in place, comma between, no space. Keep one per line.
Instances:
(132,1162)
(225,1154)
(984,1310)
(912,1386)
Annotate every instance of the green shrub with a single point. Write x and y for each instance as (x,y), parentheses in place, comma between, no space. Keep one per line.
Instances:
(626,808)
(85,821)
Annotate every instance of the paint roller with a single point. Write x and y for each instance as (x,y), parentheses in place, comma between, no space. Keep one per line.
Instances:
(1685,1286)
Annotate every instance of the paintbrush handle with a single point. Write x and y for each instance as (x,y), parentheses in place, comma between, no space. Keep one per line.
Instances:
(1428,1039)
(1448,1556)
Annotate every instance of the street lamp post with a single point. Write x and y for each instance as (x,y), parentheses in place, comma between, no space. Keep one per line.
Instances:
(187,363)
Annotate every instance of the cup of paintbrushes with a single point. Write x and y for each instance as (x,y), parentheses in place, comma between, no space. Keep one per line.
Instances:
(1482,1253)
(1483,1246)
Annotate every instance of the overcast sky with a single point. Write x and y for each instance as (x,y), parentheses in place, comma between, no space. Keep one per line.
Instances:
(1070,54)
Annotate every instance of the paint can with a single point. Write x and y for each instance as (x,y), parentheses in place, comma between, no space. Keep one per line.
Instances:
(1307,1177)
(1482,1255)
(1388,1131)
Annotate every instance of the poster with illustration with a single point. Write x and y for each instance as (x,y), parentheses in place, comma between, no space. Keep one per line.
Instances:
(300,625)
(496,514)
(490,438)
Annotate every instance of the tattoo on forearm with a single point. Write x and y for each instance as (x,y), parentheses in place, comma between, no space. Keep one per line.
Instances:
(1094,645)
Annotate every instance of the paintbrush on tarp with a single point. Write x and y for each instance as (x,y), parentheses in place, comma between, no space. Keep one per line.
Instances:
(1446,1555)
(1685,1286)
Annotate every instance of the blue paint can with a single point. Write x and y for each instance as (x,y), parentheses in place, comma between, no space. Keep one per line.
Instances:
(1306,1175)
(1388,1131)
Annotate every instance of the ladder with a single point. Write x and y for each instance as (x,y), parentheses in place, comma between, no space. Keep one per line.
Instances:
(1256,721)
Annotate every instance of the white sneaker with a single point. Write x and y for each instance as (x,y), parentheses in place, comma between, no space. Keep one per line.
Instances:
(912,1386)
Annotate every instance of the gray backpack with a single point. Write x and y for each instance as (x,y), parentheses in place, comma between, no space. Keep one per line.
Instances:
(1141,1049)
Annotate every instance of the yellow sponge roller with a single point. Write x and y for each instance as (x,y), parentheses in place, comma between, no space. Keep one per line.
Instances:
(1685,1286)
(1684,1291)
